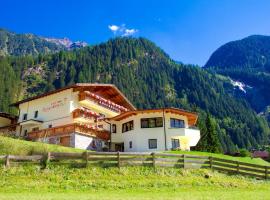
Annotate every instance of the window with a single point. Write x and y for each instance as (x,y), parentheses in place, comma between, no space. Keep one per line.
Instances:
(25,132)
(25,116)
(36,114)
(177,123)
(152,143)
(151,122)
(130,144)
(114,128)
(175,143)
(128,126)
(50,126)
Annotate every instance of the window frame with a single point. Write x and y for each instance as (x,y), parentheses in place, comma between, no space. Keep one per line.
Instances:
(176,123)
(148,120)
(114,128)
(151,147)
(25,116)
(128,126)
(174,142)
(36,114)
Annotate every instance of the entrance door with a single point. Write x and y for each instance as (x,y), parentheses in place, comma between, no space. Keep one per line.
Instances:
(65,141)
(175,143)
(119,147)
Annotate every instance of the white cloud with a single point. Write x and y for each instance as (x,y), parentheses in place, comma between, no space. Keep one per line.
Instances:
(122,30)
(113,28)
(129,32)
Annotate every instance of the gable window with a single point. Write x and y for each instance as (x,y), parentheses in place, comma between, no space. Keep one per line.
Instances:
(114,128)
(151,122)
(177,123)
(25,116)
(36,114)
(130,144)
(128,126)
(152,143)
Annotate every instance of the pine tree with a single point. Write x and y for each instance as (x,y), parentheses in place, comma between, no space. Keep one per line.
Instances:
(209,139)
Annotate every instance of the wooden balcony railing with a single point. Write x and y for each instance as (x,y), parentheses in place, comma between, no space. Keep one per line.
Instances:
(85,113)
(101,101)
(67,130)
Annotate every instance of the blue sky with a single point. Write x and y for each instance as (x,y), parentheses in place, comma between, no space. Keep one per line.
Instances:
(188,30)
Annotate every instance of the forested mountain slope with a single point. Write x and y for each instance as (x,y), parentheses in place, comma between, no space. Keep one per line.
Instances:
(146,75)
(25,44)
(248,61)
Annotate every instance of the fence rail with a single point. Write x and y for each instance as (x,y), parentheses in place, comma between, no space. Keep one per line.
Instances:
(121,159)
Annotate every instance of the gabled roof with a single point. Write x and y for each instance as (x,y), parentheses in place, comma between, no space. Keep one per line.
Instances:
(108,91)
(192,116)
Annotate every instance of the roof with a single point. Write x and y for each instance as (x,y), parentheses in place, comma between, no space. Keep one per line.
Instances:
(192,116)
(7,115)
(108,91)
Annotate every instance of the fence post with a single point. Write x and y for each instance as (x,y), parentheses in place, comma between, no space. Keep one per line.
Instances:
(211,162)
(118,159)
(266,172)
(237,167)
(86,158)
(154,159)
(184,156)
(46,159)
(7,162)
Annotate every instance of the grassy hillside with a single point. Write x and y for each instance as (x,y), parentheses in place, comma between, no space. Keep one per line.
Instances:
(21,147)
(257,161)
(62,182)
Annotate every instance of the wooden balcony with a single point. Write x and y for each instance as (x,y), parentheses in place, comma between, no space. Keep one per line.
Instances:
(67,130)
(85,95)
(85,115)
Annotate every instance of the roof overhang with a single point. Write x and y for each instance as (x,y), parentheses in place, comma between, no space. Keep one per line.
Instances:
(192,116)
(108,91)
(7,116)
(31,122)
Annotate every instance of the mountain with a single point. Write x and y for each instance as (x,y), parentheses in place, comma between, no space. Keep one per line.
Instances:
(28,44)
(246,61)
(67,43)
(147,76)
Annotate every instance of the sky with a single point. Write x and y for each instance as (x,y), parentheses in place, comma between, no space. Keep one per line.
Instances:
(188,30)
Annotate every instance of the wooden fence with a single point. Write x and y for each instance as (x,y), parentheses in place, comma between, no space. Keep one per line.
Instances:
(121,159)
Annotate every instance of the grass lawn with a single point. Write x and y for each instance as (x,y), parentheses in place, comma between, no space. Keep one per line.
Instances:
(64,182)
(21,147)
(257,161)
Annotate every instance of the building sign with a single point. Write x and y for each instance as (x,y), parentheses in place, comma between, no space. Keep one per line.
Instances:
(55,105)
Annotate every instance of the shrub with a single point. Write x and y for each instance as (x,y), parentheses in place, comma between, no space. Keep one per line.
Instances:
(244,153)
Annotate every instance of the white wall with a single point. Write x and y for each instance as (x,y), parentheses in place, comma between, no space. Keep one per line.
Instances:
(140,136)
(86,142)
(52,110)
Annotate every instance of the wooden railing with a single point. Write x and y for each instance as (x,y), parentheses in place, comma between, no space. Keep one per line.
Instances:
(121,159)
(67,130)
(101,101)
(85,113)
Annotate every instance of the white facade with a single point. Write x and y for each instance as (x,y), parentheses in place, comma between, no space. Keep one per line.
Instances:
(139,137)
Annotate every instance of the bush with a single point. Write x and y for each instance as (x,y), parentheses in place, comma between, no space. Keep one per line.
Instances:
(244,153)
